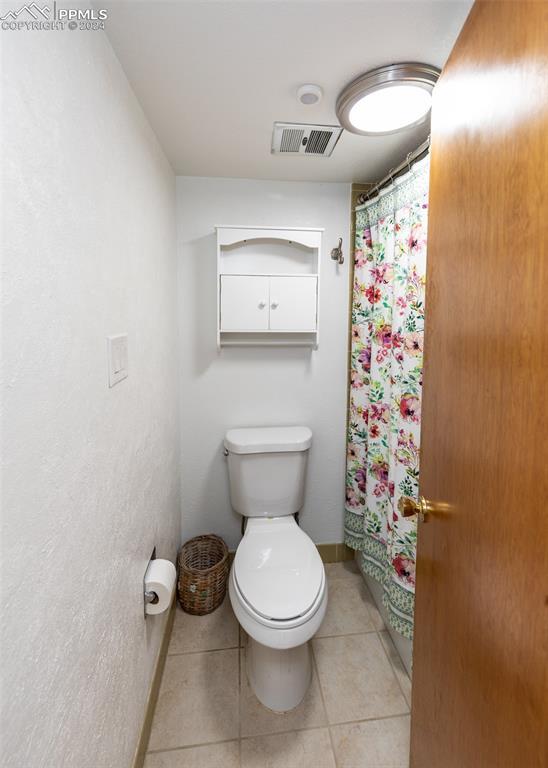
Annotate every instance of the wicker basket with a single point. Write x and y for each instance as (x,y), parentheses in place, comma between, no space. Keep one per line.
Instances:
(203,573)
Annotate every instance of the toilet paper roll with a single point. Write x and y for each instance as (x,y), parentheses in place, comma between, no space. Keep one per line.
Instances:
(160,578)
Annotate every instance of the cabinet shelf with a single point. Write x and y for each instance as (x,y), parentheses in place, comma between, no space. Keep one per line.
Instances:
(268,274)
(268,286)
(268,331)
(275,339)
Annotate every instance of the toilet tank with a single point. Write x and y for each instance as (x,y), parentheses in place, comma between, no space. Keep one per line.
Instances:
(267,469)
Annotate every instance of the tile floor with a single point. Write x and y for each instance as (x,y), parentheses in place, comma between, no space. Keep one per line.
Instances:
(355,714)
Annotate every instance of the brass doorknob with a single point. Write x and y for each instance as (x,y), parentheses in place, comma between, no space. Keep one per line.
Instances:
(409,507)
(422,508)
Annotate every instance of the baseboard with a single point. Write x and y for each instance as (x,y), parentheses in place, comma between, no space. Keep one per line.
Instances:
(140,752)
(335,553)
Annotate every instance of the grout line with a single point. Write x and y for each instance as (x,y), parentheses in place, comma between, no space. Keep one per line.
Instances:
(205,650)
(347,634)
(190,746)
(370,719)
(240,647)
(239,699)
(373,604)
(392,666)
(280,733)
(317,671)
(323,727)
(378,633)
(285,733)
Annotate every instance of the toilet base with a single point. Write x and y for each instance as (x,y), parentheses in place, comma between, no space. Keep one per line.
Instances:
(278,678)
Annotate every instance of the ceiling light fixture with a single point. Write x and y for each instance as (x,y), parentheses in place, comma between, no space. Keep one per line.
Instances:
(387,99)
(309,94)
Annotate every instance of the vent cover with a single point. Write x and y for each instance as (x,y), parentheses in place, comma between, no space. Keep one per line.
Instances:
(300,139)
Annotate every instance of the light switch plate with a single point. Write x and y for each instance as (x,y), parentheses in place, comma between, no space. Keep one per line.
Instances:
(117,358)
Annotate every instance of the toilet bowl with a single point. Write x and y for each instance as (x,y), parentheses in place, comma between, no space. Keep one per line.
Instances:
(277,583)
(278,592)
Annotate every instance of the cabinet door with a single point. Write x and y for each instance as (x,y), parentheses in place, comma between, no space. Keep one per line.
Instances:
(244,303)
(293,303)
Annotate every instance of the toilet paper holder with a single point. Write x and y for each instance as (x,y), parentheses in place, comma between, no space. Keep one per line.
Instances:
(150,597)
(159,585)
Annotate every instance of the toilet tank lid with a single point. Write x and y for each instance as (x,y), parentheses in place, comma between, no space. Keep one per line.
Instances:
(268,439)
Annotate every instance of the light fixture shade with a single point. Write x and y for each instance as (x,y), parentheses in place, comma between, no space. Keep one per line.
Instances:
(387,99)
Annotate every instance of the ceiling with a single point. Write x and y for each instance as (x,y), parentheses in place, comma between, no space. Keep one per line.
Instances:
(213,76)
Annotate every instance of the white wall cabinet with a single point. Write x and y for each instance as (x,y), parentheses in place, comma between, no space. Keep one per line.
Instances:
(268,283)
(251,303)
(244,303)
(293,303)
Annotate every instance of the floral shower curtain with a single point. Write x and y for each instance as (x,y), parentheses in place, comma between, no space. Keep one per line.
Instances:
(386,382)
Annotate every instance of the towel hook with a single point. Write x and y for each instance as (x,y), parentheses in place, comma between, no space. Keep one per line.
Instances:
(337,254)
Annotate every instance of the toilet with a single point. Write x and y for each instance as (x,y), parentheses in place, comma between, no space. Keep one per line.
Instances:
(277,583)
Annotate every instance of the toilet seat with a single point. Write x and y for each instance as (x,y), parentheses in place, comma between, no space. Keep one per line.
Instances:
(277,624)
(277,573)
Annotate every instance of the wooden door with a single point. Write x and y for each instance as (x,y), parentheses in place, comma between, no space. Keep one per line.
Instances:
(480,696)
(244,303)
(293,303)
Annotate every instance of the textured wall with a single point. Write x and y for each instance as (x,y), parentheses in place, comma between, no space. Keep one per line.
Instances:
(90,475)
(260,385)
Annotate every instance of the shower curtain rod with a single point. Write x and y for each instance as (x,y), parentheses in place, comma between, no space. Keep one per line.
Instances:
(404,166)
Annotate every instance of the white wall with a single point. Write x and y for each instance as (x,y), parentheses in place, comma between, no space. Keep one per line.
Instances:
(90,475)
(258,386)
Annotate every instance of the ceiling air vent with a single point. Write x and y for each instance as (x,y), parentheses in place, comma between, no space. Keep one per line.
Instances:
(300,139)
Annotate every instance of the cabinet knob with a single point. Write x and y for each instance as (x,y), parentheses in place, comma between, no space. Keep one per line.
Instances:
(262,305)
(274,304)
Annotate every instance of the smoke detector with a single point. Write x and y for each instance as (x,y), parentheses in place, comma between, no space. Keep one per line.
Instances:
(309,94)
(302,139)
